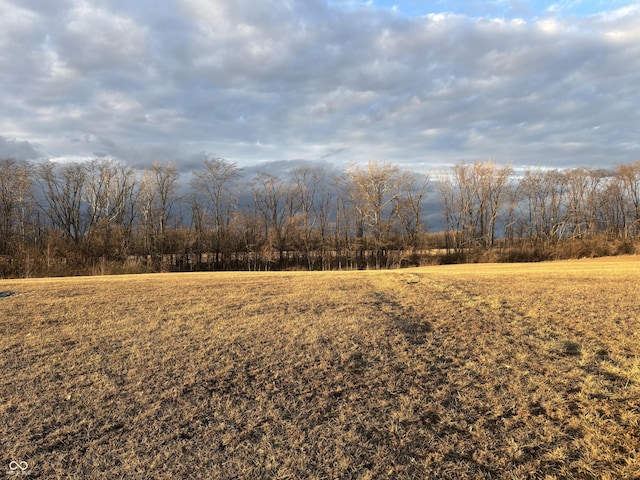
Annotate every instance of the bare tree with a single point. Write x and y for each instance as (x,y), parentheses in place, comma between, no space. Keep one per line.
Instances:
(473,197)
(199,228)
(583,186)
(373,193)
(65,214)
(452,224)
(15,205)
(493,181)
(457,188)
(408,205)
(612,207)
(166,178)
(214,185)
(311,200)
(273,199)
(157,197)
(343,229)
(110,193)
(630,178)
(62,187)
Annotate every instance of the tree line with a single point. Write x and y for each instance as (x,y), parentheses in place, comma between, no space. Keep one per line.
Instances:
(102,216)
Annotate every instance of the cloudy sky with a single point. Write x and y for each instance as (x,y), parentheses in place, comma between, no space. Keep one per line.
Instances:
(415,83)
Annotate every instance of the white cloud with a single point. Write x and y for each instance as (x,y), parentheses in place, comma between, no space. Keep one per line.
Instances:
(270,80)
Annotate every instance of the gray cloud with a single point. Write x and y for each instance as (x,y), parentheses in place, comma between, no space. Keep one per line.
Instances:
(341,82)
(18,150)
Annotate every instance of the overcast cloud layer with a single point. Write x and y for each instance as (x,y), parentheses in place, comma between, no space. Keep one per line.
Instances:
(527,83)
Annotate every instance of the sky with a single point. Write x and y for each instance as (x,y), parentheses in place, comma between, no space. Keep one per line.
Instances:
(420,84)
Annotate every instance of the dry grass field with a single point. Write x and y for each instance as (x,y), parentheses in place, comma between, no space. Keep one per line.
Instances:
(452,372)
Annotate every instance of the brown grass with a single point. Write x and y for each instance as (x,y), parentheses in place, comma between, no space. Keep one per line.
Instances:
(477,371)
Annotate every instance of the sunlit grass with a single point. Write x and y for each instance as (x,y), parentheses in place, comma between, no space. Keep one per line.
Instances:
(478,371)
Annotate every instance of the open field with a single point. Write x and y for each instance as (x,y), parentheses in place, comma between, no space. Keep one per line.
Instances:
(476,371)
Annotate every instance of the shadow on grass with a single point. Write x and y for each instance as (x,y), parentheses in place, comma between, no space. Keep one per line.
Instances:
(410,323)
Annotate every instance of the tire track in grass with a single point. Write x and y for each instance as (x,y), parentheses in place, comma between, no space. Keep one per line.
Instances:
(497,405)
